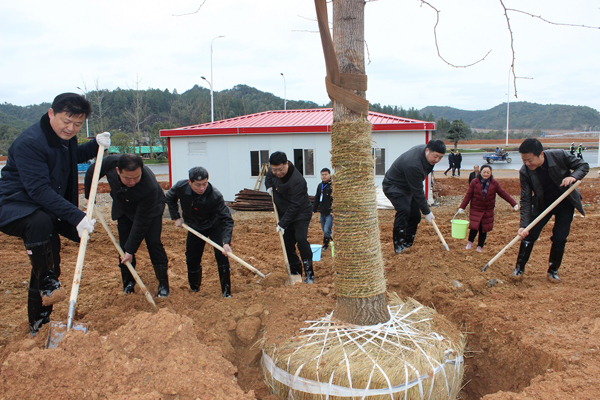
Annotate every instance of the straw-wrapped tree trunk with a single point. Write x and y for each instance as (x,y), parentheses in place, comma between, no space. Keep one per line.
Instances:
(360,281)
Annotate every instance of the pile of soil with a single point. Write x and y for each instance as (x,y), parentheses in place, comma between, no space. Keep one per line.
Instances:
(525,340)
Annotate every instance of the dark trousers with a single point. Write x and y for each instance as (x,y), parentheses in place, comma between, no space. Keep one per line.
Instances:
(194,248)
(297,234)
(157,253)
(39,227)
(408,213)
(563,216)
(482,235)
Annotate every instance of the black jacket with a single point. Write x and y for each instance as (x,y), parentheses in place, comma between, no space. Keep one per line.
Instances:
(561,164)
(200,211)
(406,176)
(41,172)
(291,196)
(140,203)
(457,160)
(323,206)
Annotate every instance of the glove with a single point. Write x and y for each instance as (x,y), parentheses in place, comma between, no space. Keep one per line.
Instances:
(103,139)
(270,191)
(516,207)
(280,229)
(461,210)
(86,224)
(179,222)
(429,217)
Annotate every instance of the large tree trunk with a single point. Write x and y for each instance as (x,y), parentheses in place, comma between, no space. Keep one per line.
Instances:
(360,281)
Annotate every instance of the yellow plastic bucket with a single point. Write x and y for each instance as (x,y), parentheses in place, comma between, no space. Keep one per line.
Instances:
(459,227)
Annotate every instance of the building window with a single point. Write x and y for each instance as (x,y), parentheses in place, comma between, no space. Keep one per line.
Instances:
(197,148)
(304,161)
(379,158)
(257,159)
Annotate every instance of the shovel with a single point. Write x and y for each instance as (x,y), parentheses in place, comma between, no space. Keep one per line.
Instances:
(128,264)
(292,279)
(531,225)
(216,246)
(58,329)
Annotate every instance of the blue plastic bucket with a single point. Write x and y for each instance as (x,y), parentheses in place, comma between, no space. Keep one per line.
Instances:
(316,250)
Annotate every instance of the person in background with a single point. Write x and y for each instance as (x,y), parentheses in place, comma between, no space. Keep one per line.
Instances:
(572,149)
(457,162)
(450,163)
(482,196)
(474,174)
(204,210)
(322,203)
(138,206)
(403,186)
(39,196)
(290,194)
(544,176)
(580,151)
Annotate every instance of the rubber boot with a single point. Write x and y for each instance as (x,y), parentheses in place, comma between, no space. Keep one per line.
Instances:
(128,280)
(162,274)
(309,274)
(326,243)
(195,278)
(399,237)
(556,256)
(410,240)
(42,266)
(225,279)
(296,268)
(37,313)
(524,253)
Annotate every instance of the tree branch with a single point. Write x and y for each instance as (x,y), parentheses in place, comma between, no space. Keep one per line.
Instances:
(190,13)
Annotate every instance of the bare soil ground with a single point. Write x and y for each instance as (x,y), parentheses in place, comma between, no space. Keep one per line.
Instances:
(526,340)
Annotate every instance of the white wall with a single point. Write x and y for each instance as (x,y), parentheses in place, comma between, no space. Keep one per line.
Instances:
(227,157)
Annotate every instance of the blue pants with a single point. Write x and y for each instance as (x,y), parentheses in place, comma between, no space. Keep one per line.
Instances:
(326,225)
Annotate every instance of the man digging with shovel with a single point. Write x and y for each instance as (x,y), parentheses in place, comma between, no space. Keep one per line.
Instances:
(290,195)
(39,200)
(204,210)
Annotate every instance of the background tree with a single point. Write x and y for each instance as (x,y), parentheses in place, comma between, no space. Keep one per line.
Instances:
(137,115)
(458,131)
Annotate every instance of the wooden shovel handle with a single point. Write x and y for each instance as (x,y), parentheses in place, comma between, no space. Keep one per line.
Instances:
(128,264)
(285,257)
(435,227)
(532,224)
(84,239)
(216,246)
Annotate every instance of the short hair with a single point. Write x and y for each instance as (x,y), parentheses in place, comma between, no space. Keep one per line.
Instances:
(278,158)
(326,170)
(198,174)
(485,166)
(437,146)
(72,104)
(130,162)
(531,145)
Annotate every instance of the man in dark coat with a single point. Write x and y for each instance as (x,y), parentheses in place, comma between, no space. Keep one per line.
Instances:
(473,174)
(39,200)
(450,163)
(544,176)
(290,194)
(457,163)
(204,210)
(322,203)
(138,206)
(403,186)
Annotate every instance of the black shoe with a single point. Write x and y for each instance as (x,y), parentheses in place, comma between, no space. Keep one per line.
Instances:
(309,274)
(195,279)
(553,276)
(524,253)
(162,274)
(129,288)
(128,281)
(518,272)
(399,237)
(326,243)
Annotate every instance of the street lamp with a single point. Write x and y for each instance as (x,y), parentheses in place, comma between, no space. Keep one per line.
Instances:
(212,102)
(87,127)
(284,95)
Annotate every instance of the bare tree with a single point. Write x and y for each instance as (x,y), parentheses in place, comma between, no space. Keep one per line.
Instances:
(137,114)
(96,97)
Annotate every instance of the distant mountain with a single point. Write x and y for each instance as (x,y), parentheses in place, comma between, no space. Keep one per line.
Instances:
(523,115)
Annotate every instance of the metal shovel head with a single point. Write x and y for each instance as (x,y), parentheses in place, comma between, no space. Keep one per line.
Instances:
(294,278)
(58,330)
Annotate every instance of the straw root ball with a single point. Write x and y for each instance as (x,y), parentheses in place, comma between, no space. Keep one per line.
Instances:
(417,354)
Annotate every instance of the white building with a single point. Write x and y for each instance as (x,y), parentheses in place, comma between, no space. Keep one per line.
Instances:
(233,150)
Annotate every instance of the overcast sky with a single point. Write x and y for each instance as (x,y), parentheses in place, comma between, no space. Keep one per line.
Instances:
(50,47)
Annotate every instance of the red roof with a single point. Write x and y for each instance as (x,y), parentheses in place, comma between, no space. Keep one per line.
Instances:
(292,121)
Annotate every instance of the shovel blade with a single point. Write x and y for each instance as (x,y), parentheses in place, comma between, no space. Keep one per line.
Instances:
(58,330)
(294,278)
